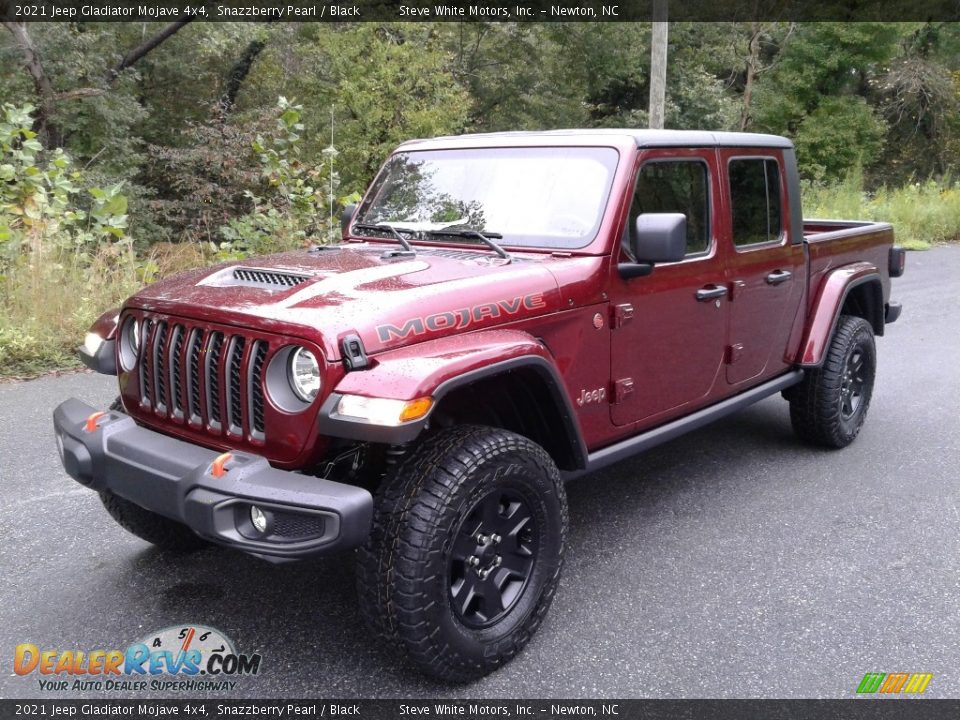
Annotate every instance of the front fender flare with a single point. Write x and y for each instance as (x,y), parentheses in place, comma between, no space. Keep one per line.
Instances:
(437,367)
(103,359)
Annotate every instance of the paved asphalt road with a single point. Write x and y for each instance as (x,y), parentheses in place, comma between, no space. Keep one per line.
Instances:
(733,562)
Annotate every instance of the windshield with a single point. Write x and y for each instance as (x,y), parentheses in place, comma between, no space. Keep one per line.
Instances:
(536,197)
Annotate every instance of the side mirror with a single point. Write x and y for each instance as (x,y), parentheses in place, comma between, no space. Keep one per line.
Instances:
(656,238)
(660,237)
(345,217)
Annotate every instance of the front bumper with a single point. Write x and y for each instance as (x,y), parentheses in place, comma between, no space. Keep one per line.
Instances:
(307,516)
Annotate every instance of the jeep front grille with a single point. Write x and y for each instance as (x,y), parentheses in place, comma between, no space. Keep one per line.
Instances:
(211,379)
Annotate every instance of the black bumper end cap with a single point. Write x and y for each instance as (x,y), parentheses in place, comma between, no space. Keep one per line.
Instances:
(104,362)
(892,312)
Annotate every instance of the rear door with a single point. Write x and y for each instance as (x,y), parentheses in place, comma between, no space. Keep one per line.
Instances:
(766,266)
(669,328)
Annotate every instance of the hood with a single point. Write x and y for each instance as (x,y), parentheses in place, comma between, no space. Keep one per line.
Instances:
(389,301)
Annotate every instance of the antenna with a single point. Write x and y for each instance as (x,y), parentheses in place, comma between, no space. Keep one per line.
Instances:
(330,199)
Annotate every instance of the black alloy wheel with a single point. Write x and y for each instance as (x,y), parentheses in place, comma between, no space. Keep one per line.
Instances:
(465,552)
(829,406)
(492,558)
(853,383)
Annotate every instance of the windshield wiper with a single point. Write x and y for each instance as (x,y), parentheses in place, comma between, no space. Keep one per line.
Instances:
(487,238)
(387,226)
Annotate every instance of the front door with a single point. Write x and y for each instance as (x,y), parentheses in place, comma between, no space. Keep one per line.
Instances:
(669,328)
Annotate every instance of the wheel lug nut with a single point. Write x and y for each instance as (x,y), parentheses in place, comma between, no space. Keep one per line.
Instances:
(482,539)
(496,539)
(473,560)
(497,560)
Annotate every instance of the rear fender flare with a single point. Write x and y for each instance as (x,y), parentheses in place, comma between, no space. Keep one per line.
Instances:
(825,313)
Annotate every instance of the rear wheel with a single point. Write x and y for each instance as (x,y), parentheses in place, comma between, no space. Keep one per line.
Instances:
(829,406)
(465,552)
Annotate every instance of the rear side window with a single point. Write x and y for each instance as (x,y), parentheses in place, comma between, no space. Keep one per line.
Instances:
(676,186)
(755,200)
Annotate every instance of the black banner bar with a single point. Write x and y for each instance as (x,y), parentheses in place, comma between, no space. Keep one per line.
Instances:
(473,10)
(855,709)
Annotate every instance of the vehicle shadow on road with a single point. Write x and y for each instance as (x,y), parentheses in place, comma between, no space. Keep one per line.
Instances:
(303,618)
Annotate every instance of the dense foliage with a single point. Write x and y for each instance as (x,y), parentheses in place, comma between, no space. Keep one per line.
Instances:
(130,150)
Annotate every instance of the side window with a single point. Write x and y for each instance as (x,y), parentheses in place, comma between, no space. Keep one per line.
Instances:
(675,186)
(755,201)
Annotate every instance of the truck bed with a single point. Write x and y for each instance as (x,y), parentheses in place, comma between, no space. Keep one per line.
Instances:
(833,243)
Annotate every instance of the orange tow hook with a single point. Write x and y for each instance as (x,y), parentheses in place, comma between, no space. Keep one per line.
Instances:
(218,468)
(91,425)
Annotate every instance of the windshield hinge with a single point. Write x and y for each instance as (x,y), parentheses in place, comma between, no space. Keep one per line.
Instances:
(353,352)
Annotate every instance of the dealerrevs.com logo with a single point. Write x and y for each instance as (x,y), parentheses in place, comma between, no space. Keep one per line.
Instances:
(186,658)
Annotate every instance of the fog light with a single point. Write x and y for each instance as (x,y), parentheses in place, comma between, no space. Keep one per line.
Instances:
(258,518)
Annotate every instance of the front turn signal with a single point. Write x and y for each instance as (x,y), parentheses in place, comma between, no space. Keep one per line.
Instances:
(416,409)
(384,411)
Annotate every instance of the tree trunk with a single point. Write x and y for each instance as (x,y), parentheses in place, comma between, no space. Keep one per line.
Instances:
(132,57)
(238,73)
(658,64)
(47,99)
(45,126)
(751,65)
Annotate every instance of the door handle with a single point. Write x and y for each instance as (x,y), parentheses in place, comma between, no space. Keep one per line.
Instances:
(778,276)
(710,292)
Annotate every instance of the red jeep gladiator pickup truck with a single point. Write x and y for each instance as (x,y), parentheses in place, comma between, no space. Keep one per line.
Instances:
(505,312)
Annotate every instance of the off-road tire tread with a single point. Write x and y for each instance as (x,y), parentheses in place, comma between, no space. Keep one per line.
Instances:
(163,532)
(814,410)
(406,532)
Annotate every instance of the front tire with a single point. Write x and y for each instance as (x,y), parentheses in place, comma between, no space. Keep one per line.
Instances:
(465,552)
(829,406)
(156,529)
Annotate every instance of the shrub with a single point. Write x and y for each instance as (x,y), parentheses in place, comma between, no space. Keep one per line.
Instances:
(298,202)
(64,254)
(922,213)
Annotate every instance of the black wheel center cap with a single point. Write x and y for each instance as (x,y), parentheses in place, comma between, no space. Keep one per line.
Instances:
(487,555)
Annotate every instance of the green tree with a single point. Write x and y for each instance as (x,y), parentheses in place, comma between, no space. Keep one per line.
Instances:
(817,94)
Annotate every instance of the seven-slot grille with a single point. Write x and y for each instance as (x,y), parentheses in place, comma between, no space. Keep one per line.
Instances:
(207,377)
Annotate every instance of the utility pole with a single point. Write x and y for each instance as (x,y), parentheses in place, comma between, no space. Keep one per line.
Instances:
(658,64)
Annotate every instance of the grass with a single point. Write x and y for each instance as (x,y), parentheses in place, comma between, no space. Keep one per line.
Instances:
(922,214)
(49,299)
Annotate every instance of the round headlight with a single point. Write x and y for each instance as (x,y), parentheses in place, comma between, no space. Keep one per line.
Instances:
(129,343)
(304,374)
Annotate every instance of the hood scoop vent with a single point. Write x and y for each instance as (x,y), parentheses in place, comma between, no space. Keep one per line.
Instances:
(257,277)
(239,276)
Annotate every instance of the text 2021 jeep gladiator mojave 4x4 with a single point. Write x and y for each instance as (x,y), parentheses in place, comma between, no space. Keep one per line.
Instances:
(505,312)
